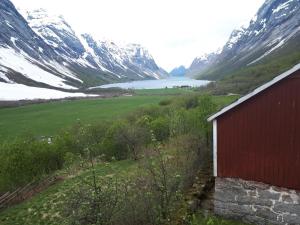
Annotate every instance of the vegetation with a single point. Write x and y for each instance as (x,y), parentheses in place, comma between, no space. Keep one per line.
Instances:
(166,91)
(48,206)
(48,119)
(130,170)
(199,219)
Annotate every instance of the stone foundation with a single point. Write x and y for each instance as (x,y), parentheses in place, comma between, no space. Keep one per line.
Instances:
(256,203)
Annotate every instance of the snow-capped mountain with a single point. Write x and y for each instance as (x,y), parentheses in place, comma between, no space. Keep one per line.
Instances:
(43,50)
(178,71)
(131,60)
(129,63)
(273,32)
(201,63)
(25,57)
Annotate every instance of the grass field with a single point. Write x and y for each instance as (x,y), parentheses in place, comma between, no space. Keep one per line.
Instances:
(48,118)
(165,91)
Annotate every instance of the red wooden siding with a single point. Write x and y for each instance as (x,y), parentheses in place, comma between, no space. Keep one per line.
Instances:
(259,139)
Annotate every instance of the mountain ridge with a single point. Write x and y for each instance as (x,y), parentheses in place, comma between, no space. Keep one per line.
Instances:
(50,54)
(271,38)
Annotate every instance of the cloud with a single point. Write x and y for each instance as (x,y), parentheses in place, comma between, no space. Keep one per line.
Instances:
(174,31)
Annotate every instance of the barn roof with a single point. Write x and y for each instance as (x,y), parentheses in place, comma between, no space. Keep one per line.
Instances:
(255,92)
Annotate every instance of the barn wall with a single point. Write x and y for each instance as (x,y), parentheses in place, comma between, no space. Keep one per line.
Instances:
(259,139)
(256,203)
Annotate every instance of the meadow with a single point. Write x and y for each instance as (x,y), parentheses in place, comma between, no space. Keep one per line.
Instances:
(47,119)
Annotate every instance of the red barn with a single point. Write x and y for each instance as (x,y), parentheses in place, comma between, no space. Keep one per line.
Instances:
(257,138)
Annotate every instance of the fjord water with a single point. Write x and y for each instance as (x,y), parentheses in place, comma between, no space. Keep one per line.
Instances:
(158,84)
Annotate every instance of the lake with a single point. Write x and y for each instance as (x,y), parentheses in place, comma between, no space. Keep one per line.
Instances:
(158,84)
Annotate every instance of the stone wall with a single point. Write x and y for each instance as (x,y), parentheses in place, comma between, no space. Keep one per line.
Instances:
(256,203)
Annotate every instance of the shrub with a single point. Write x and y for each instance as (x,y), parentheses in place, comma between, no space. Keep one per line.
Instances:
(165,102)
(26,160)
(160,128)
(187,102)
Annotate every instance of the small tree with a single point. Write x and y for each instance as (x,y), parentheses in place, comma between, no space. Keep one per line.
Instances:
(97,200)
(134,137)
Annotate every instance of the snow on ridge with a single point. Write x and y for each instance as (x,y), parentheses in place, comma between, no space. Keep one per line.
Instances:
(136,49)
(282,6)
(13,40)
(90,51)
(203,57)
(8,24)
(235,37)
(41,18)
(282,42)
(16,92)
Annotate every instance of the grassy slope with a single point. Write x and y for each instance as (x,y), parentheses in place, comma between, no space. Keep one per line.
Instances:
(49,118)
(45,208)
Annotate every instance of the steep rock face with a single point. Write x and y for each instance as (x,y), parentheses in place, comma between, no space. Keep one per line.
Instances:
(56,32)
(16,33)
(274,29)
(25,57)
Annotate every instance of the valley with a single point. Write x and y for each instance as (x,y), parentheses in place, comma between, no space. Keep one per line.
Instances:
(94,131)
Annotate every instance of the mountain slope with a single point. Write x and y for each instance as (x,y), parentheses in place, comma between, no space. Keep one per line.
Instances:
(46,52)
(268,46)
(104,57)
(25,57)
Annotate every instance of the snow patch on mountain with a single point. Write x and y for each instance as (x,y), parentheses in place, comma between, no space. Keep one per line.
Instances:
(4,77)
(235,37)
(17,61)
(282,6)
(16,92)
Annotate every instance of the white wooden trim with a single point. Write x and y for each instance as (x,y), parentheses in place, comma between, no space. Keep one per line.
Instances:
(215,149)
(255,92)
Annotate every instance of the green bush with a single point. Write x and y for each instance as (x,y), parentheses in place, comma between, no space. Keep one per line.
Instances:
(165,102)
(26,160)
(160,128)
(187,102)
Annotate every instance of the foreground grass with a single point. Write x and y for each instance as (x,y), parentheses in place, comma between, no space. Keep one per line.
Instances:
(48,118)
(212,220)
(47,207)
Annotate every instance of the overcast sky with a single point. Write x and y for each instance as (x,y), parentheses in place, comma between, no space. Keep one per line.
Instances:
(174,31)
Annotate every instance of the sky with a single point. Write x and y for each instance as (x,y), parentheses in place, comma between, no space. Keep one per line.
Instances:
(174,31)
